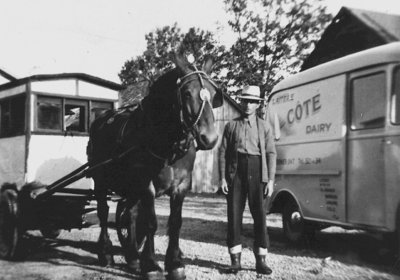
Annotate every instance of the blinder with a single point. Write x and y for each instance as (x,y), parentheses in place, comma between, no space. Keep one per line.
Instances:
(218,99)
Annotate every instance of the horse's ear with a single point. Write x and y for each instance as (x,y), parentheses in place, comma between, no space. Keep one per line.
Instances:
(207,64)
(181,63)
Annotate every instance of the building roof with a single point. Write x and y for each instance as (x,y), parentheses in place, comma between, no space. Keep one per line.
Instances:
(385,25)
(353,30)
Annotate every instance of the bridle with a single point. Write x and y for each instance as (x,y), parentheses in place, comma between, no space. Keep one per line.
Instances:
(205,96)
(184,142)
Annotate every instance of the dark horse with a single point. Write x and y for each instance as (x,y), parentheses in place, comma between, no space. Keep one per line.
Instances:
(156,142)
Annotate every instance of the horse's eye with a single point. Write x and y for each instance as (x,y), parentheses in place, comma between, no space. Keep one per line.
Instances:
(187,95)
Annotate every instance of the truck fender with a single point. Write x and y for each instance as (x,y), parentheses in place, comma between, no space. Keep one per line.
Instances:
(279,198)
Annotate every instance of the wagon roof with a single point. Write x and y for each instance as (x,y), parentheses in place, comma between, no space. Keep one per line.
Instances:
(371,57)
(50,77)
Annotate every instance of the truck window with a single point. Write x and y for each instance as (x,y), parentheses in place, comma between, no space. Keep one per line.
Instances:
(12,115)
(368,101)
(396,96)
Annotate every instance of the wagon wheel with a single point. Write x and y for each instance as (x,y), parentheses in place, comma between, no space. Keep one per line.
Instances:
(122,219)
(122,222)
(9,230)
(50,232)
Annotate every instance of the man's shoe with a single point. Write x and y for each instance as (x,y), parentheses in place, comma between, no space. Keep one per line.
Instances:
(235,263)
(261,266)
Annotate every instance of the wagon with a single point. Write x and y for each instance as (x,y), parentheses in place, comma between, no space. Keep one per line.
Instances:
(44,131)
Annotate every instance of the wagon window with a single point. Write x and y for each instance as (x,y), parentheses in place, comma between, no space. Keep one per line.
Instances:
(99,107)
(75,115)
(49,113)
(368,101)
(396,96)
(12,114)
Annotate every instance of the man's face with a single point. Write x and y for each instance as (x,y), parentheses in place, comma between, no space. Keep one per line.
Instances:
(249,106)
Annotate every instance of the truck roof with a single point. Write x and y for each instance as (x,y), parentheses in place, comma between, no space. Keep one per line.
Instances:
(374,56)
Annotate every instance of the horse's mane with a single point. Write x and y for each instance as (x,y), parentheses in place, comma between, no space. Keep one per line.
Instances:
(162,96)
(165,84)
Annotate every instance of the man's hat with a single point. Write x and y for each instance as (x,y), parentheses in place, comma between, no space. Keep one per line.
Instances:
(251,92)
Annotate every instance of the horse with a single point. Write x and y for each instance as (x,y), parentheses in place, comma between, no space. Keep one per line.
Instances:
(154,142)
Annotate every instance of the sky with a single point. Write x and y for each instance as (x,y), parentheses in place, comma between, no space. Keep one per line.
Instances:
(96,37)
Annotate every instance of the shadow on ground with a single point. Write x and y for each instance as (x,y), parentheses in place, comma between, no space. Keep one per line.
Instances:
(351,247)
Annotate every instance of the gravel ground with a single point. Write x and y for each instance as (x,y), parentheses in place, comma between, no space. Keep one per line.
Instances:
(335,254)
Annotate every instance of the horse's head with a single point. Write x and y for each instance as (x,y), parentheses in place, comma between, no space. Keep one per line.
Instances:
(197,96)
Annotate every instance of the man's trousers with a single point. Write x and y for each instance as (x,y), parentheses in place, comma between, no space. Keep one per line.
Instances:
(247,184)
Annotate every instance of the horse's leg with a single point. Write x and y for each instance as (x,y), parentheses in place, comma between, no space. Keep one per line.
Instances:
(148,263)
(173,258)
(132,250)
(104,243)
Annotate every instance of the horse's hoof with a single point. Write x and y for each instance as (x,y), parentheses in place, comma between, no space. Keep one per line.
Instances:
(154,275)
(176,274)
(134,266)
(106,260)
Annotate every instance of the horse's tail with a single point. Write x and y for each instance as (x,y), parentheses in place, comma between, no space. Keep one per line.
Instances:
(94,127)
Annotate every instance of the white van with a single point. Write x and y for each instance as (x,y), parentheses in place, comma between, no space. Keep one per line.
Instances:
(339,151)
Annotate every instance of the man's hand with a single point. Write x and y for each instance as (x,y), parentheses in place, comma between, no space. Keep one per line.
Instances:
(269,189)
(224,186)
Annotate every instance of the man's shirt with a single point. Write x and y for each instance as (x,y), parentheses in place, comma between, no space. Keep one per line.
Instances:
(249,142)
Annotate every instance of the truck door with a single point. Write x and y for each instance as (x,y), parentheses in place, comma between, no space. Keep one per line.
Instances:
(366,147)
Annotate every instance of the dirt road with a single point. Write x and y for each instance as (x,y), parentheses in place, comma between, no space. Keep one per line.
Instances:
(335,254)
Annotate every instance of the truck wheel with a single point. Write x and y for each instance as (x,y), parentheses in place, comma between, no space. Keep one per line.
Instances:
(293,222)
(9,230)
(49,232)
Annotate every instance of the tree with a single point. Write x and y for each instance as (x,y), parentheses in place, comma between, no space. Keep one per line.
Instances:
(155,59)
(159,54)
(273,38)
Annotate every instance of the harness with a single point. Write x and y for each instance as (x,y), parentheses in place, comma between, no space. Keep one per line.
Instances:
(183,144)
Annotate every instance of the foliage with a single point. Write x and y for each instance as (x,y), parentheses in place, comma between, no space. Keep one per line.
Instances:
(155,59)
(273,38)
(140,72)
(159,54)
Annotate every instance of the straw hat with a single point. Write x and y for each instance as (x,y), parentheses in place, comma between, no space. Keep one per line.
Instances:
(251,92)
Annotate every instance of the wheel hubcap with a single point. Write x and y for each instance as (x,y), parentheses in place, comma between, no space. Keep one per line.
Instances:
(296,220)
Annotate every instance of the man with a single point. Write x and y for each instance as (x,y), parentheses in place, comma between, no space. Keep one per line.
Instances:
(247,161)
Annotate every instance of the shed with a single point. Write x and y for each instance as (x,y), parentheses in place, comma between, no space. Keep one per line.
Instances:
(205,176)
(353,30)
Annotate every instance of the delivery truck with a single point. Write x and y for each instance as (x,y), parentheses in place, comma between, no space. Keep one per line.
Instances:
(339,149)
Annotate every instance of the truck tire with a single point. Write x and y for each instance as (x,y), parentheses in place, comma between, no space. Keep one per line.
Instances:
(292,222)
(9,229)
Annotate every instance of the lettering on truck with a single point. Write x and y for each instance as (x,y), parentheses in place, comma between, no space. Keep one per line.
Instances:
(303,110)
